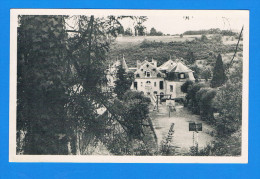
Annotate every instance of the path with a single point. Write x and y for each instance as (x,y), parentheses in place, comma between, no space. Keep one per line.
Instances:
(182,137)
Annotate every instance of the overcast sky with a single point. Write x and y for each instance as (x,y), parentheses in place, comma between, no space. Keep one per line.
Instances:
(167,21)
(181,23)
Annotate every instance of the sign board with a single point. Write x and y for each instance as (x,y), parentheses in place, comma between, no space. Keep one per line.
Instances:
(192,126)
(199,126)
(195,126)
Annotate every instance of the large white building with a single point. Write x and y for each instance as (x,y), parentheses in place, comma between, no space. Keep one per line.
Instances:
(156,80)
(164,80)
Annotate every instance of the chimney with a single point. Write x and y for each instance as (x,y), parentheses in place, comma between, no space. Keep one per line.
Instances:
(154,62)
(138,64)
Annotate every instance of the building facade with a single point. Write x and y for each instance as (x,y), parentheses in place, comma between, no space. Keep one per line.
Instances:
(153,80)
(166,79)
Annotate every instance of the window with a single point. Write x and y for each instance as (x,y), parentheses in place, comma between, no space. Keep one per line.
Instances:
(135,85)
(137,75)
(141,83)
(154,84)
(161,84)
(182,75)
(148,82)
(155,92)
(159,75)
(148,74)
(147,65)
(171,88)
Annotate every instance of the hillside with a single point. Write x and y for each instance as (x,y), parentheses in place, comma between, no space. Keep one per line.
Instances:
(162,47)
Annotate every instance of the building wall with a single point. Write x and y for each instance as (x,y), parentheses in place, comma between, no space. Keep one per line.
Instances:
(179,93)
(145,87)
(142,86)
(168,88)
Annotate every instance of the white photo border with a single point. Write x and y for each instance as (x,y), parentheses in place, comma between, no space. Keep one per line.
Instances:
(13,157)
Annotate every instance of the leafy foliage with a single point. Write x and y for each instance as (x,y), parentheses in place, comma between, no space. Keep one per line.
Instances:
(134,109)
(205,73)
(61,83)
(219,76)
(154,32)
(41,84)
(185,87)
(161,51)
(123,82)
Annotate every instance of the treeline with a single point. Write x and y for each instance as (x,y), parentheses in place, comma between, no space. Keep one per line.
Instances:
(140,31)
(211,31)
(222,97)
(161,51)
(219,103)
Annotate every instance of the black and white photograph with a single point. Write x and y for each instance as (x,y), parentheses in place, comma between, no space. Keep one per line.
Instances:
(142,86)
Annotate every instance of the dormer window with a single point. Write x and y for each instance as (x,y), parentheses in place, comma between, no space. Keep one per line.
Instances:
(148,74)
(137,75)
(147,65)
(159,75)
(181,75)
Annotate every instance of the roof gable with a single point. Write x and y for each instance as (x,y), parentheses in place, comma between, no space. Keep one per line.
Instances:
(148,67)
(180,67)
(167,65)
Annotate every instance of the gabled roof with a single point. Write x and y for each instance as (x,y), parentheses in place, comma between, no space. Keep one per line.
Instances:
(167,65)
(180,67)
(154,69)
(145,62)
(124,65)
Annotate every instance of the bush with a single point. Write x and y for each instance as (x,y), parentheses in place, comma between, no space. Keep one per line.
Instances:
(192,101)
(185,86)
(205,98)
(134,109)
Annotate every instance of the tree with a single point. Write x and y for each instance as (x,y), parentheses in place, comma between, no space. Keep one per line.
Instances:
(219,76)
(185,87)
(140,30)
(205,98)
(228,101)
(128,32)
(154,32)
(134,109)
(204,38)
(193,102)
(42,84)
(60,80)
(217,38)
(206,73)
(190,57)
(139,27)
(123,82)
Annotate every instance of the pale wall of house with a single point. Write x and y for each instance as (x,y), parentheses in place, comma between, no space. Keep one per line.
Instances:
(168,88)
(176,92)
(179,93)
(149,88)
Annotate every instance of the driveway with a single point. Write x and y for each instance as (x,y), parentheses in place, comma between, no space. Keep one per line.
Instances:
(182,138)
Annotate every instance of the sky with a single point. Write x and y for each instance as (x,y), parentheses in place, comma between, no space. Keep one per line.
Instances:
(166,21)
(181,23)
